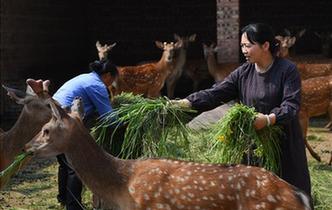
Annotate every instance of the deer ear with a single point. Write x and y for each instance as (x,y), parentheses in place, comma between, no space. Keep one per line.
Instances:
(292,41)
(57,112)
(159,44)
(77,108)
(192,38)
(36,85)
(17,95)
(111,46)
(98,45)
(177,37)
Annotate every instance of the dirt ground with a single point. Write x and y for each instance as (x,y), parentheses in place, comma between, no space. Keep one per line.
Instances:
(35,187)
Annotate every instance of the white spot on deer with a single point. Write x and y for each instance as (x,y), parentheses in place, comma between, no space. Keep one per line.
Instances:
(131,190)
(191,195)
(253,193)
(160,206)
(271,198)
(177,191)
(212,184)
(189,173)
(146,197)
(221,196)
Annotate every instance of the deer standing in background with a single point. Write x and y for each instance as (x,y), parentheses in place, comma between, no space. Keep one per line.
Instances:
(219,71)
(180,60)
(148,79)
(34,115)
(307,70)
(160,183)
(316,100)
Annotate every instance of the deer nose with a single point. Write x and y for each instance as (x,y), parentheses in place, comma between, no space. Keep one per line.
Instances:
(28,148)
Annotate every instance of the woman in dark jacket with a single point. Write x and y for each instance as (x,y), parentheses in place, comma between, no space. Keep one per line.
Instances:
(272,86)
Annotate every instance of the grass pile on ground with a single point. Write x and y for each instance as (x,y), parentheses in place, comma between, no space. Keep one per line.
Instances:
(321,182)
(154,127)
(235,139)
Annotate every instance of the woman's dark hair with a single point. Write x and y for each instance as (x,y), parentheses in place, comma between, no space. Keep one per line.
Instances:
(103,67)
(261,33)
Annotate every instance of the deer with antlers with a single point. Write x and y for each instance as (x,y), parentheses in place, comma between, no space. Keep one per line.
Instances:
(148,78)
(161,183)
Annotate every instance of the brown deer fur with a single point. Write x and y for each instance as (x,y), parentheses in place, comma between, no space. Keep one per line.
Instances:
(219,71)
(316,100)
(34,115)
(161,183)
(180,60)
(149,78)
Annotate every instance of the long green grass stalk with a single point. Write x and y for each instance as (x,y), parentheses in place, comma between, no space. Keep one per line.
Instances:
(150,126)
(235,140)
(13,168)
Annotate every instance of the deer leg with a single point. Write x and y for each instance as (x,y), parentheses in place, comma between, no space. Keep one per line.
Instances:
(304,121)
(170,84)
(330,162)
(329,111)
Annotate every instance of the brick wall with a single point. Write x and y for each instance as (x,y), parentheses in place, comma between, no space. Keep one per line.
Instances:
(228,30)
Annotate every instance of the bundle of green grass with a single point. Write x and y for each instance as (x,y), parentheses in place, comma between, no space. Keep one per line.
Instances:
(13,168)
(153,127)
(235,140)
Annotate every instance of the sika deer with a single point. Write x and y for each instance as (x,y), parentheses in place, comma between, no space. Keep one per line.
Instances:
(160,183)
(180,60)
(307,70)
(149,78)
(34,115)
(219,71)
(316,100)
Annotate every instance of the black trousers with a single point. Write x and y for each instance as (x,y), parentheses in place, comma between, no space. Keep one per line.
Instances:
(69,185)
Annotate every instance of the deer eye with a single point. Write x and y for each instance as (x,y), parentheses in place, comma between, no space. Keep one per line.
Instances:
(46,132)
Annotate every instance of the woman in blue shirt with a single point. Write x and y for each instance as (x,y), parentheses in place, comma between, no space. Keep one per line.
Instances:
(92,88)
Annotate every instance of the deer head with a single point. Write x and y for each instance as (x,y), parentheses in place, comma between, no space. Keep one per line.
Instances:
(185,40)
(210,50)
(51,140)
(34,99)
(35,113)
(169,49)
(103,50)
(286,42)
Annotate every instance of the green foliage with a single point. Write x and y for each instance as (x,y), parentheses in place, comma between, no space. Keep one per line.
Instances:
(13,168)
(149,123)
(321,181)
(235,139)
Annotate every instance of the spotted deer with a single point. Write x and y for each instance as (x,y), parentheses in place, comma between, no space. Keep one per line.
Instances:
(34,115)
(148,79)
(142,184)
(180,60)
(307,68)
(219,71)
(316,100)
